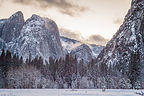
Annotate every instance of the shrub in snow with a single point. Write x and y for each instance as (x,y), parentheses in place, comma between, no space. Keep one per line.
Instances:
(84,83)
(124,83)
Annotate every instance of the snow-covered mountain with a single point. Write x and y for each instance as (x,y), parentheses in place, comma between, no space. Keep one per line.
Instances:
(36,37)
(82,52)
(71,45)
(128,41)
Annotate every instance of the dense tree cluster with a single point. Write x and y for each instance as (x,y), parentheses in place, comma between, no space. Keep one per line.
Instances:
(65,73)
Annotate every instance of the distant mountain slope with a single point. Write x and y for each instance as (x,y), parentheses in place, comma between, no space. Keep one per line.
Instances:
(69,40)
(68,44)
(71,44)
(82,52)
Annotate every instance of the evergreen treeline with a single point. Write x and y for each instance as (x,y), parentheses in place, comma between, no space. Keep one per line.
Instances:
(65,73)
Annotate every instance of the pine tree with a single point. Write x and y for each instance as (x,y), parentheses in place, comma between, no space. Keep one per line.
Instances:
(68,70)
(134,68)
(21,60)
(2,58)
(15,61)
(2,64)
(82,68)
(39,62)
(52,67)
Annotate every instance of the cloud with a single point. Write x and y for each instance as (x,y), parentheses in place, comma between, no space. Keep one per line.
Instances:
(22,1)
(118,21)
(93,39)
(1,2)
(63,6)
(97,39)
(70,34)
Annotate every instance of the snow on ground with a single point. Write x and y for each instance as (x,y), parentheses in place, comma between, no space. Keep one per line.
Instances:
(67,92)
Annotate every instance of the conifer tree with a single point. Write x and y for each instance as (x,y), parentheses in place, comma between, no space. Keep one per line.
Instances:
(134,68)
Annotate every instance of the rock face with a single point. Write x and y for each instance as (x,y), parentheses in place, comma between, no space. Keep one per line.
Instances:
(2,22)
(82,52)
(36,37)
(10,28)
(128,40)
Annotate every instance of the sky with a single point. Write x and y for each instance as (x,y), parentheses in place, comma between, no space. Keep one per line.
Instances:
(90,21)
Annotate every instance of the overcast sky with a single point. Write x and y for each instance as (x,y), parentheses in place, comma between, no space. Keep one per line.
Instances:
(82,18)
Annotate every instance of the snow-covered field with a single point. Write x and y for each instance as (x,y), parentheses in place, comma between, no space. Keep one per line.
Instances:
(67,92)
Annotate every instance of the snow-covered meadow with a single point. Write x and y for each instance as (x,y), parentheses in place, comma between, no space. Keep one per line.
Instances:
(68,92)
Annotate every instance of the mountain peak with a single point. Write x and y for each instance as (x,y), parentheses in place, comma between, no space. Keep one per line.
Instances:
(82,52)
(35,17)
(18,14)
(12,26)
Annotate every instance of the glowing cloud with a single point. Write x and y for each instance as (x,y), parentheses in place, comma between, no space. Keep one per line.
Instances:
(63,6)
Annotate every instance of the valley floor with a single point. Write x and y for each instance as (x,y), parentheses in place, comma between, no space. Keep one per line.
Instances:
(68,92)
